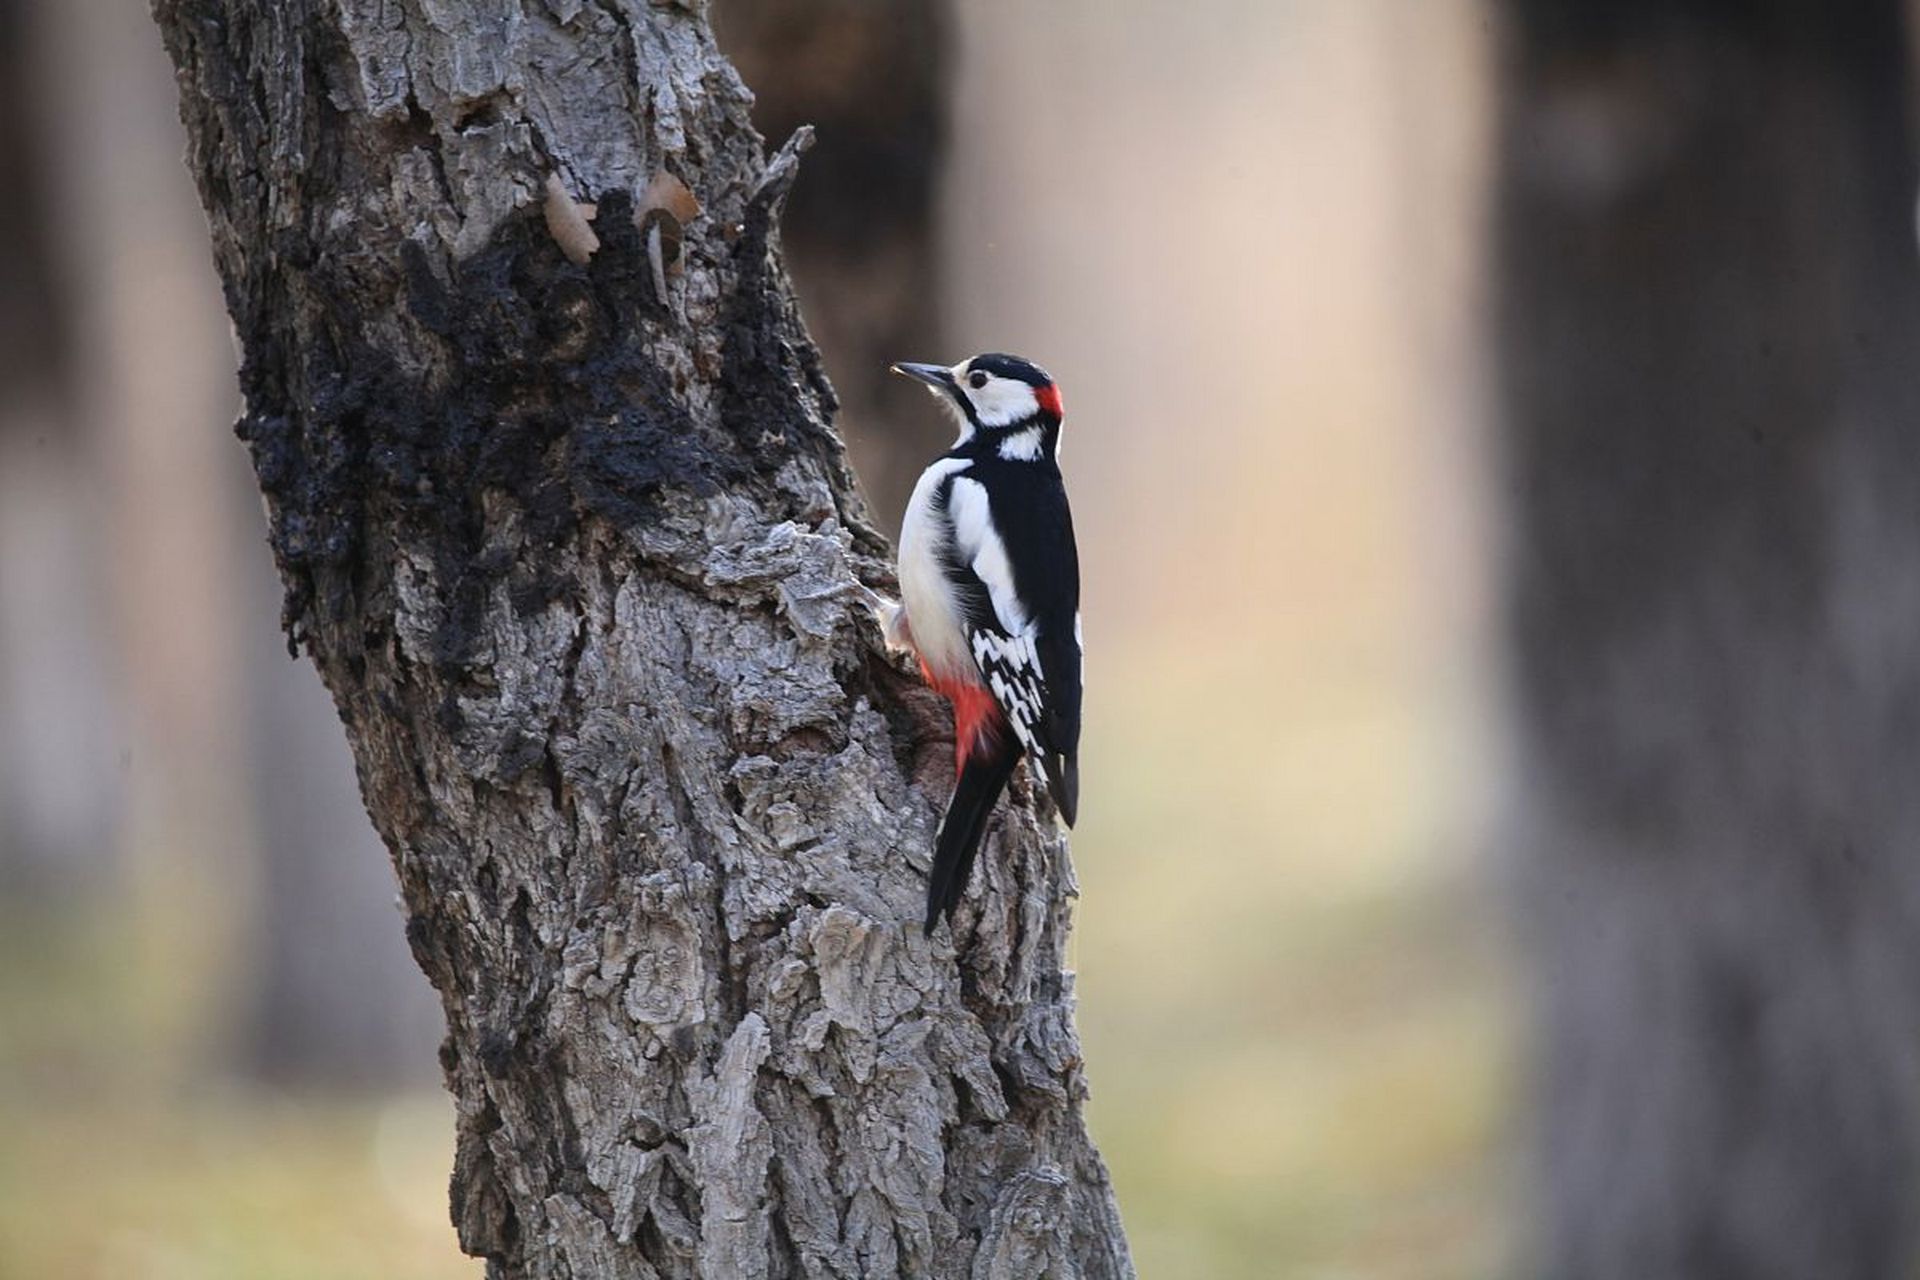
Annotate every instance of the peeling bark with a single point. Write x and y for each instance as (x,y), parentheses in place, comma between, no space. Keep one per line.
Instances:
(577,552)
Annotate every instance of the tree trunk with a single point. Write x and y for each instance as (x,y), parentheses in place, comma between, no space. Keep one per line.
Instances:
(1709,322)
(575,549)
(60,793)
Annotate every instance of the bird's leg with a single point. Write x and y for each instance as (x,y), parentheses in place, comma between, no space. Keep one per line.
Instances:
(892,617)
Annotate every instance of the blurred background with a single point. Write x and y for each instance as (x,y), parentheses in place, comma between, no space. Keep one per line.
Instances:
(1493,834)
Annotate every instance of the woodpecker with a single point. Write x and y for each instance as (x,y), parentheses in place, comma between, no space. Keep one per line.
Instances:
(990,598)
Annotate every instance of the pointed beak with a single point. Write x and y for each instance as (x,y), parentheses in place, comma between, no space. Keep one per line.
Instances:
(934,375)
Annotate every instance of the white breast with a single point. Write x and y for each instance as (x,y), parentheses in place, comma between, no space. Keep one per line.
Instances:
(932,613)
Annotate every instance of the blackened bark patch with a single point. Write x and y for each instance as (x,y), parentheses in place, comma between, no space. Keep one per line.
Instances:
(542,395)
(760,365)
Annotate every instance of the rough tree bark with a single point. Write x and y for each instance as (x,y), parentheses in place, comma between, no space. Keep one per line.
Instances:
(1710,319)
(575,549)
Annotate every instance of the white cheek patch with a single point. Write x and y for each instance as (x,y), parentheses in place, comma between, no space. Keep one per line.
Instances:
(1002,400)
(979,543)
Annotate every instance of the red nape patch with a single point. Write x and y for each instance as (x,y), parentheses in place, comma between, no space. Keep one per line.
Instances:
(976,716)
(1049,398)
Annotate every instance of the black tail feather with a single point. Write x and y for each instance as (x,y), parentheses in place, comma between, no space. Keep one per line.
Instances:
(980,785)
(1063,784)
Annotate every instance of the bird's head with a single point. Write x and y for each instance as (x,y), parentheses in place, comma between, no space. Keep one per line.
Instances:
(992,392)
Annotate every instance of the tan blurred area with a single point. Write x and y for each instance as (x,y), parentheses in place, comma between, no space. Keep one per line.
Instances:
(1242,235)
(1242,241)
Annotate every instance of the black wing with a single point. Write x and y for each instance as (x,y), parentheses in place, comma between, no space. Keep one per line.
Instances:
(1020,607)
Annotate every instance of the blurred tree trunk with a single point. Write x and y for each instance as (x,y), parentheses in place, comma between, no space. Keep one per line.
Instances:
(334,1001)
(876,82)
(59,793)
(1710,348)
(575,550)
(36,315)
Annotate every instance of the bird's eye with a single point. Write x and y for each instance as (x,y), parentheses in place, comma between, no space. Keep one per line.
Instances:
(977,381)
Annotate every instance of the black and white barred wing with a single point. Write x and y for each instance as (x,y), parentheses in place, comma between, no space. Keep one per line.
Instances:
(1043,709)
(1010,664)
(1031,668)
(1000,625)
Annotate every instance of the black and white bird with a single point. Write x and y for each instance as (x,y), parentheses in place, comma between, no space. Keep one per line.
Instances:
(990,598)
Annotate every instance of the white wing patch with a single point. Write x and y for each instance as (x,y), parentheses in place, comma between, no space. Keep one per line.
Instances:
(978,542)
(1011,667)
